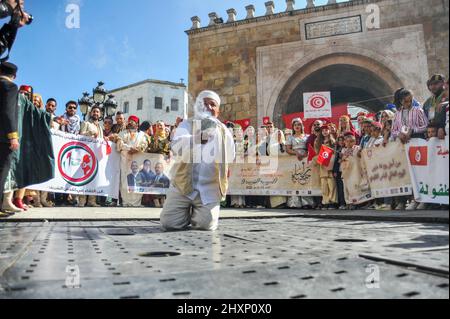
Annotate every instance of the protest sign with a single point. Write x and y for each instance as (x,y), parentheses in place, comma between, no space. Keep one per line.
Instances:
(428,164)
(84,166)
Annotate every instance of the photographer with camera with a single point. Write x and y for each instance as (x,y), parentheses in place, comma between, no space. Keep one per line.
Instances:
(19,18)
(9,136)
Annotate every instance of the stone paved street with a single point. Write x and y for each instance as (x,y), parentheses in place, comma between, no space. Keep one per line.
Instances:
(270,254)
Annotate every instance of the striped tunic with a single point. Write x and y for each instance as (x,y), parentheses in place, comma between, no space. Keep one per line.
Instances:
(417,122)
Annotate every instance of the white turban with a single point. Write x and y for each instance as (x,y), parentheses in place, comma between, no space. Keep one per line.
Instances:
(200,110)
(210,95)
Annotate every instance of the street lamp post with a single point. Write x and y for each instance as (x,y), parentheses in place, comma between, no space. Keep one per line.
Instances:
(85,104)
(99,94)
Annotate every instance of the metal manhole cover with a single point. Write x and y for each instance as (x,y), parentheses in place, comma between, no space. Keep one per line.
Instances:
(158,254)
(350,240)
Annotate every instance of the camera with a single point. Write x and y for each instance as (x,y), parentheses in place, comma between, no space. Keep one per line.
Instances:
(9,30)
(30,19)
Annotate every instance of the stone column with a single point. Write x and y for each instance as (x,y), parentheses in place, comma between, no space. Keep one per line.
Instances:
(290,5)
(195,22)
(231,15)
(270,6)
(212,17)
(310,4)
(250,11)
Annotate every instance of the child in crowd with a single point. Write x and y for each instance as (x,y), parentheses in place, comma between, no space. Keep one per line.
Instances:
(366,132)
(386,132)
(376,140)
(431,131)
(333,130)
(337,173)
(350,150)
(328,184)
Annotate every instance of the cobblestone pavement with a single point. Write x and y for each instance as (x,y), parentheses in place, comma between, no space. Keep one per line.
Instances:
(278,258)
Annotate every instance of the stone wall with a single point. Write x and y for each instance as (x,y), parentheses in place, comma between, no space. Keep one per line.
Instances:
(223,57)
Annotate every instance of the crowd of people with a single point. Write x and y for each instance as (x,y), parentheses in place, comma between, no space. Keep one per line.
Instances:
(130,136)
(406,118)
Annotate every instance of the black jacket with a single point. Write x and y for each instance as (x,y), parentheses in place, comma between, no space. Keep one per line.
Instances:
(8,109)
(5,10)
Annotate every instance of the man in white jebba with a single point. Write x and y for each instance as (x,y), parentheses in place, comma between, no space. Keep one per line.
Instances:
(202,147)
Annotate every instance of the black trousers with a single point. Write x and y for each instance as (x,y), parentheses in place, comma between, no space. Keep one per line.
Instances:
(340,189)
(5,163)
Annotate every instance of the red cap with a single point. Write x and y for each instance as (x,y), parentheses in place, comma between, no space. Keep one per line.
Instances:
(133,118)
(26,88)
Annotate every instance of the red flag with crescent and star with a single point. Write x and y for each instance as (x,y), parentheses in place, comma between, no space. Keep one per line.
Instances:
(311,153)
(418,156)
(325,156)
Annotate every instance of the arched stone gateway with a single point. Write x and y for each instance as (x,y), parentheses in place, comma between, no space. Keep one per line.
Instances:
(350,78)
(261,66)
(353,68)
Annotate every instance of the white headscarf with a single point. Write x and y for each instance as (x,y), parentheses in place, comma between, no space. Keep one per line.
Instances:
(200,110)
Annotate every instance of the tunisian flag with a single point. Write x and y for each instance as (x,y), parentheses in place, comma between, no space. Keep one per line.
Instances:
(325,156)
(418,156)
(311,153)
(266,120)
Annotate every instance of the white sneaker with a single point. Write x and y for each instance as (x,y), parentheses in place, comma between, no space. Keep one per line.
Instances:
(412,206)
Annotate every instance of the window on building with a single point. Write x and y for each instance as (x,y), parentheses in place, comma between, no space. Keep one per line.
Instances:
(174,105)
(158,103)
(126,107)
(140,104)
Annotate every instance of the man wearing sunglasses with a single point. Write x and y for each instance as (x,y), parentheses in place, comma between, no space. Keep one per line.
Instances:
(71,121)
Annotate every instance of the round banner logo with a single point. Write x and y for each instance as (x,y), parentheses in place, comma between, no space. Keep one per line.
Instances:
(317,101)
(77,164)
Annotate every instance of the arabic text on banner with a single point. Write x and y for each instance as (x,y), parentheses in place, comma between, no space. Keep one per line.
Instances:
(289,177)
(387,170)
(356,184)
(83,167)
(428,163)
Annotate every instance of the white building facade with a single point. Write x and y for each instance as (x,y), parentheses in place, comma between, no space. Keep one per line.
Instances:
(153,100)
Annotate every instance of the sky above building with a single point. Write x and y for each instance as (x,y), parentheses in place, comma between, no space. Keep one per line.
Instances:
(118,42)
